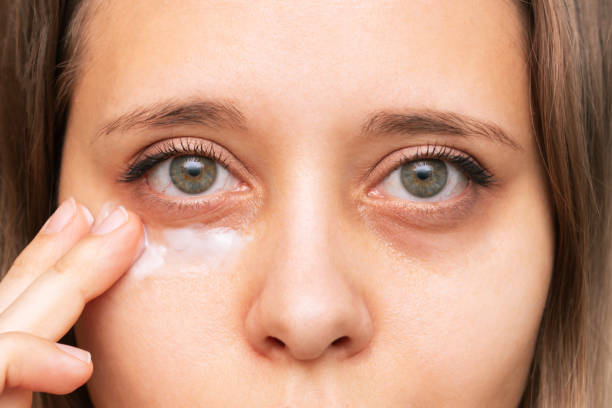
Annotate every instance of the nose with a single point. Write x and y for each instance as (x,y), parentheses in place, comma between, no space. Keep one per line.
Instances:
(308,316)
(309,304)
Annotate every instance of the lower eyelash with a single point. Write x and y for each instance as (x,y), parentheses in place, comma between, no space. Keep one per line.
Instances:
(166,151)
(467,164)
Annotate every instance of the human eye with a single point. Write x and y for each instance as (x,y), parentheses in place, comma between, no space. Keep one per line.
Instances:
(432,183)
(183,169)
(433,174)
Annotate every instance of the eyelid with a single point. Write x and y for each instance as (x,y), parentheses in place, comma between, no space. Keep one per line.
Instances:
(214,209)
(431,151)
(154,154)
(376,205)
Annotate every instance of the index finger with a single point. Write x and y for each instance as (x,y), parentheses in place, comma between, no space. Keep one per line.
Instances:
(55,300)
(70,222)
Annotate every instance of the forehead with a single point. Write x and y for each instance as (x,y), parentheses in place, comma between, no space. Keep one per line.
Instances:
(304,59)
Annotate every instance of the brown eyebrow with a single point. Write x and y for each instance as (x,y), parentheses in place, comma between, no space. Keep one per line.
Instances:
(203,113)
(434,122)
(219,114)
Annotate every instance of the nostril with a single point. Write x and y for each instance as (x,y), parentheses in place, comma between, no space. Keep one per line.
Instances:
(274,342)
(340,341)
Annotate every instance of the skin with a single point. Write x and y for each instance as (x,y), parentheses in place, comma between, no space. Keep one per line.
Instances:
(437,304)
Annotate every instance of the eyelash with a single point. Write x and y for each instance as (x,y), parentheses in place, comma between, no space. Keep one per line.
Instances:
(136,170)
(170,150)
(475,171)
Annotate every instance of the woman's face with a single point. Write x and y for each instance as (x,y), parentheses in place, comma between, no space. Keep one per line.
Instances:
(343,202)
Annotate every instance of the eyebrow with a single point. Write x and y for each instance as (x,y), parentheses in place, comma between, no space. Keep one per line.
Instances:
(434,122)
(212,114)
(224,114)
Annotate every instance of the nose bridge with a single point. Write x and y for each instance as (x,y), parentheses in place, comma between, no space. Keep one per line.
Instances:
(309,211)
(309,215)
(307,305)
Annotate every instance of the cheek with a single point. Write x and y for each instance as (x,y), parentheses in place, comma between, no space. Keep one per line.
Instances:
(467,304)
(175,305)
(195,250)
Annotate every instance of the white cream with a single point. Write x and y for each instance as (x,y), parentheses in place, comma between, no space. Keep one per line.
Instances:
(193,250)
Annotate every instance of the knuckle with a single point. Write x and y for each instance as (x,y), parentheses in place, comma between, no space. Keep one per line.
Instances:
(21,268)
(10,374)
(60,269)
(19,262)
(40,246)
(69,284)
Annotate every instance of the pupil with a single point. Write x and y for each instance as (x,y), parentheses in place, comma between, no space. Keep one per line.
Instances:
(424,172)
(193,169)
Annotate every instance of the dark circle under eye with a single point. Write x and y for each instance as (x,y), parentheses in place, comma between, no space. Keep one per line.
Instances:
(192,174)
(424,178)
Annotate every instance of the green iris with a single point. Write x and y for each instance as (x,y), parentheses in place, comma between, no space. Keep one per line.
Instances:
(424,178)
(193,174)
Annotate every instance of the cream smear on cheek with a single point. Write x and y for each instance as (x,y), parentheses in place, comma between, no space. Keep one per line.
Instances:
(194,249)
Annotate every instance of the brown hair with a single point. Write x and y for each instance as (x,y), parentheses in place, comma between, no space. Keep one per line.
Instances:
(570,57)
(571,79)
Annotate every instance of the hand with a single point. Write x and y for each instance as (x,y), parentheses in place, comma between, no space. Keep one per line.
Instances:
(69,262)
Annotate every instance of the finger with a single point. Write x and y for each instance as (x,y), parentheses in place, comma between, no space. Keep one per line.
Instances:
(69,223)
(54,301)
(31,363)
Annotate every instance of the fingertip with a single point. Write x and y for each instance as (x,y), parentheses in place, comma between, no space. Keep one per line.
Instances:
(77,364)
(115,220)
(37,364)
(87,214)
(136,222)
(61,218)
(82,355)
(133,215)
(132,225)
(64,228)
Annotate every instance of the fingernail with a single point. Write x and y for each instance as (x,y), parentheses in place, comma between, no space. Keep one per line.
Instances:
(60,218)
(104,212)
(81,354)
(88,216)
(113,221)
